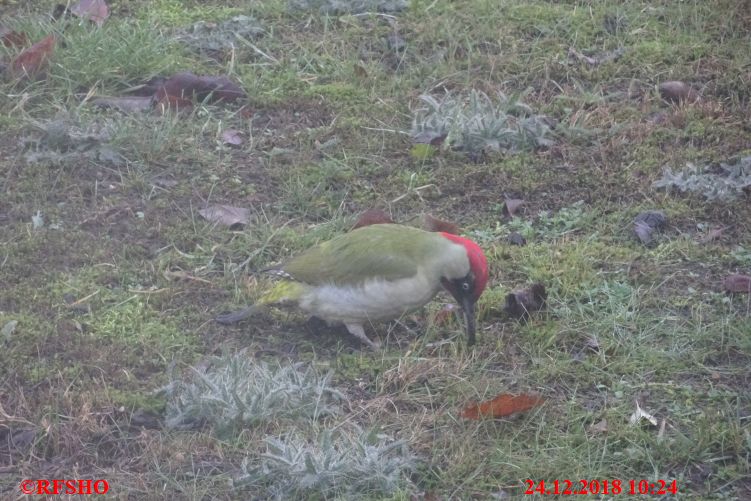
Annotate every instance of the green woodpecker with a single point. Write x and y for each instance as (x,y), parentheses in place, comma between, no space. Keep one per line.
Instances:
(380,272)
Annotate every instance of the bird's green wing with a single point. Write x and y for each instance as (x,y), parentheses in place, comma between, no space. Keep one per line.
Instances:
(387,251)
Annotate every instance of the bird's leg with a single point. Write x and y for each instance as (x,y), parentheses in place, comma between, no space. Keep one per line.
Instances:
(357,331)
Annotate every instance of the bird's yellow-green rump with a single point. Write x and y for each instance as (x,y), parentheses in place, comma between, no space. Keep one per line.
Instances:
(380,272)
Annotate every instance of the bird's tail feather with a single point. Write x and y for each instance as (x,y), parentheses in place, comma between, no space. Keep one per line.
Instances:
(236,316)
(282,292)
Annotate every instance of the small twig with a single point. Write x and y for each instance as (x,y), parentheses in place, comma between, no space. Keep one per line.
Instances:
(83,299)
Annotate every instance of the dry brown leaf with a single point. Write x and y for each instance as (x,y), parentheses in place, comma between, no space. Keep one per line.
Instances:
(226,214)
(523,302)
(187,86)
(35,58)
(511,205)
(504,404)
(372,216)
(95,11)
(737,283)
(431,223)
(676,91)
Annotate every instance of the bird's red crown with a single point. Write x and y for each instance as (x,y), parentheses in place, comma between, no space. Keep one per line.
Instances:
(478,263)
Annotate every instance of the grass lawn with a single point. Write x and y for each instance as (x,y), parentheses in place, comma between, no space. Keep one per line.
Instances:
(110,278)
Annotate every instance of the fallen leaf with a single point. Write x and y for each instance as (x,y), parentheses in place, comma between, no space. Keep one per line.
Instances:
(515,238)
(643,232)
(372,216)
(226,214)
(35,58)
(737,283)
(521,303)
(232,137)
(511,205)
(96,11)
(15,39)
(504,404)
(128,104)
(654,218)
(187,86)
(431,223)
(640,414)
(646,223)
(676,91)
(600,427)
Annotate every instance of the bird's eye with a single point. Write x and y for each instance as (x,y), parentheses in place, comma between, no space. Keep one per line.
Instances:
(465,286)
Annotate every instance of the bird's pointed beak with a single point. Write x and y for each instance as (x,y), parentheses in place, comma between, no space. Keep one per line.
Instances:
(466,300)
(468,306)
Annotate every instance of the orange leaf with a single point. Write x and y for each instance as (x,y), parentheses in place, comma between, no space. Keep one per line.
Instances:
(504,404)
(187,86)
(431,223)
(372,216)
(34,58)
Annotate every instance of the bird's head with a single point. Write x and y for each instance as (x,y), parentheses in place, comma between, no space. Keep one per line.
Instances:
(468,288)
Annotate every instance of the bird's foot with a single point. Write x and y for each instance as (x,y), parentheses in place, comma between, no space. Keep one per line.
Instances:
(357,331)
